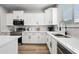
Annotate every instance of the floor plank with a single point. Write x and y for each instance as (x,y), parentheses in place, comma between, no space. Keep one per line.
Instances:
(33,49)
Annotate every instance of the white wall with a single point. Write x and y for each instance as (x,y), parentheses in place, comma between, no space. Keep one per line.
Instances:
(3,27)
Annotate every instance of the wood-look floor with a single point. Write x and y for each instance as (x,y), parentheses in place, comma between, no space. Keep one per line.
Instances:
(33,49)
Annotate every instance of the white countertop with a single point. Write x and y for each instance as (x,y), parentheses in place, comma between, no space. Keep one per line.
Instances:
(6,39)
(72,44)
(41,31)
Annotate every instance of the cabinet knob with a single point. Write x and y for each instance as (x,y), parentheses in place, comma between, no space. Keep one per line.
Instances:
(47,39)
(29,37)
(51,44)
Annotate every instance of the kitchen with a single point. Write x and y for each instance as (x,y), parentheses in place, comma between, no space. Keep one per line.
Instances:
(39,29)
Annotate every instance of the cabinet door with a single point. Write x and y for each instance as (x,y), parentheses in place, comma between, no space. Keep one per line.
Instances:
(42,38)
(34,18)
(26,19)
(54,46)
(30,37)
(49,42)
(40,19)
(48,16)
(51,16)
(9,19)
(54,16)
(37,38)
(26,37)
(30,19)
(34,37)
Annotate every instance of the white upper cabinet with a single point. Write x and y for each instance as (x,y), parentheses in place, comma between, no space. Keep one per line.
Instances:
(18,14)
(34,18)
(51,16)
(26,19)
(29,18)
(14,15)
(54,16)
(40,18)
(9,19)
(48,16)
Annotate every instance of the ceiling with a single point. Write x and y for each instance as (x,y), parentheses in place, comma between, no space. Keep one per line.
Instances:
(27,7)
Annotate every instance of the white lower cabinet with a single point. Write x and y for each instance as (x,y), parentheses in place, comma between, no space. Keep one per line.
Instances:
(26,37)
(34,37)
(29,37)
(52,44)
(42,38)
(49,43)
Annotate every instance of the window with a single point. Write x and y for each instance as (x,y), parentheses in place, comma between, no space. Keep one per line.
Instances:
(67,12)
(76,13)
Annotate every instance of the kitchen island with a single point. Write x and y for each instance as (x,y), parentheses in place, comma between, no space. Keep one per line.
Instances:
(9,44)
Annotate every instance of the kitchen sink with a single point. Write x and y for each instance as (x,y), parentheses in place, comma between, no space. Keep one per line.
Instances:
(61,36)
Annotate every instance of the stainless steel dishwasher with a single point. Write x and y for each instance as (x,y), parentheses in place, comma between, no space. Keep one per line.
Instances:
(62,50)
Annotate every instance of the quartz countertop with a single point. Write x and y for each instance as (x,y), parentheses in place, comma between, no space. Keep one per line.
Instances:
(72,43)
(7,39)
(41,31)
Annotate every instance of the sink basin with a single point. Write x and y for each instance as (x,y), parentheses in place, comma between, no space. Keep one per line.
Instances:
(61,36)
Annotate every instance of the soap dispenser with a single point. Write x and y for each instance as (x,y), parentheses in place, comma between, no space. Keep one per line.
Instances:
(66,33)
(59,28)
